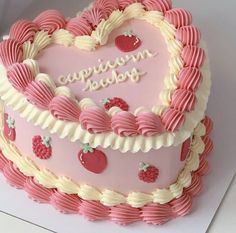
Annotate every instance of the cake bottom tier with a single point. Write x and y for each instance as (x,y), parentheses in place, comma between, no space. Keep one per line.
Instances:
(69,203)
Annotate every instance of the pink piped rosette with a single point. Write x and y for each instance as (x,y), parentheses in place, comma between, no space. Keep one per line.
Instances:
(123,214)
(97,120)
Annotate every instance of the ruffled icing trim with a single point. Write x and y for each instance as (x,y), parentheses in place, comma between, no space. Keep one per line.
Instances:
(75,132)
(107,197)
(179,120)
(65,198)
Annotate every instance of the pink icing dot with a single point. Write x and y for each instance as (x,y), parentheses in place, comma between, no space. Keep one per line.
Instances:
(124,3)
(14,177)
(183,100)
(188,35)
(157,5)
(193,56)
(182,206)
(37,192)
(208,124)
(20,76)
(94,16)
(64,108)
(178,17)
(157,214)
(93,210)
(149,124)
(50,21)
(124,214)
(23,30)
(108,6)
(65,203)
(79,26)
(95,120)
(190,79)
(10,52)
(124,124)
(173,119)
(39,94)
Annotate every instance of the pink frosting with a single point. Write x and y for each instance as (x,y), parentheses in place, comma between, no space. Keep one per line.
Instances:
(14,177)
(108,6)
(94,16)
(179,17)
(93,210)
(208,123)
(183,100)
(36,191)
(124,3)
(64,108)
(95,120)
(182,206)
(65,203)
(173,119)
(125,214)
(196,186)
(150,124)
(188,35)
(79,26)
(208,145)
(193,56)
(39,94)
(124,124)
(190,79)
(10,52)
(20,76)
(157,5)
(157,214)
(23,30)
(203,167)
(50,21)
(3,161)
(122,214)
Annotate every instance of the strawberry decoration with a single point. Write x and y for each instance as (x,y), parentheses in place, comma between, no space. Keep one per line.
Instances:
(9,128)
(185,149)
(92,159)
(127,42)
(115,102)
(42,147)
(148,173)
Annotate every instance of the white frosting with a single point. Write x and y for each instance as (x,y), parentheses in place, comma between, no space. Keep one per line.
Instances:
(108,197)
(43,118)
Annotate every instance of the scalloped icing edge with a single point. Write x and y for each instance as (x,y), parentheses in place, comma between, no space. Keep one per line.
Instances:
(74,131)
(123,214)
(107,197)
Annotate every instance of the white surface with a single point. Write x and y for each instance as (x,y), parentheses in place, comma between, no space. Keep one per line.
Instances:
(217,23)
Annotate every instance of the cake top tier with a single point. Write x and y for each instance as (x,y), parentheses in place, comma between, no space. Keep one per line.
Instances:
(124,74)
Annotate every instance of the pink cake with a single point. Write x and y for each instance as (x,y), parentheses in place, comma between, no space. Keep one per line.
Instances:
(103,114)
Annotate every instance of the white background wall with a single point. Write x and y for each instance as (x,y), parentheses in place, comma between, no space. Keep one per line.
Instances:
(10,11)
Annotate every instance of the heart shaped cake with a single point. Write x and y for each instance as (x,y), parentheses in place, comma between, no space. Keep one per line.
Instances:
(103,114)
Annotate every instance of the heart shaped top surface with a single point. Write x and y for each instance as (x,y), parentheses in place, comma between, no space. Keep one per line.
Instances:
(60,61)
(131,77)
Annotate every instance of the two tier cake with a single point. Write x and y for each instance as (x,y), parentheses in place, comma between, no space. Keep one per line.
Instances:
(103,114)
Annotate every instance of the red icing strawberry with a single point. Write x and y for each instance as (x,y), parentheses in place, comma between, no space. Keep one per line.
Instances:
(9,128)
(185,150)
(148,173)
(115,102)
(127,42)
(92,159)
(42,147)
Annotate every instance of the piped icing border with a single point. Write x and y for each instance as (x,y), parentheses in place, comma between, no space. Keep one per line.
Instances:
(178,99)
(151,213)
(108,197)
